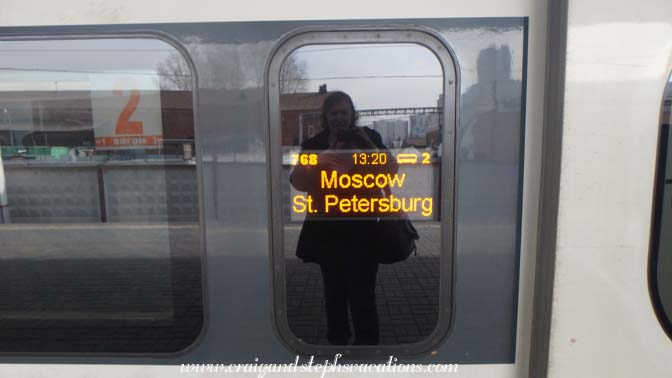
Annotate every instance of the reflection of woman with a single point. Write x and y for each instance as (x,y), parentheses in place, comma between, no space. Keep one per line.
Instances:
(342,247)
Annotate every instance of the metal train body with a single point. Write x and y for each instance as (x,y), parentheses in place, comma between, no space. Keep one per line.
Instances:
(545,226)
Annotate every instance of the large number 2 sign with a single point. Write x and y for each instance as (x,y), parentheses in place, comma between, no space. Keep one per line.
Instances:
(124,125)
(127,112)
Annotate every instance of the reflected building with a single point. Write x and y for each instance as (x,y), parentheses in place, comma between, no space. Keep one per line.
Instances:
(35,123)
(490,113)
(425,130)
(301,115)
(421,124)
(393,131)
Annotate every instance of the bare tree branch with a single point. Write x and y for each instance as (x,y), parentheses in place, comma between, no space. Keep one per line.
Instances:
(292,76)
(174,73)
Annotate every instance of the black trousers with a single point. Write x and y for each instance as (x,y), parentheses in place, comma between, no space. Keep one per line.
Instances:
(351,281)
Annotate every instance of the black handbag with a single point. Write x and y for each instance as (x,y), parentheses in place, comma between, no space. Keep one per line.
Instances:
(395,239)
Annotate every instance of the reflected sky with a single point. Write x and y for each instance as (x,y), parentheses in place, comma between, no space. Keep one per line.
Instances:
(375,75)
(73,64)
(401,75)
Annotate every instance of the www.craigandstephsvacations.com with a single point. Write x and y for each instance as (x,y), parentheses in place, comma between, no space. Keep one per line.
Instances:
(322,367)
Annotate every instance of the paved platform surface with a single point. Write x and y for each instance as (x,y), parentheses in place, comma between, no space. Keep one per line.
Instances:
(99,288)
(407,293)
(122,274)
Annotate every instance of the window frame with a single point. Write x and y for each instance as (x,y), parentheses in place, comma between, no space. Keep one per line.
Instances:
(451,94)
(658,202)
(184,53)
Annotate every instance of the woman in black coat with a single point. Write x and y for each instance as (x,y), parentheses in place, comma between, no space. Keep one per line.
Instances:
(341,244)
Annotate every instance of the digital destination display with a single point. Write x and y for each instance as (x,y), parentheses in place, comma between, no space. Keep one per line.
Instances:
(362,184)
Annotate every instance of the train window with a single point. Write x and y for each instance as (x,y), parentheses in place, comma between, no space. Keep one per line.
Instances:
(100,228)
(361,134)
(660,269)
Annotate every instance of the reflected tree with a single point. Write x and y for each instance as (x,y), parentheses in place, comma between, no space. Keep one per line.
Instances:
(174,73)
(293,75)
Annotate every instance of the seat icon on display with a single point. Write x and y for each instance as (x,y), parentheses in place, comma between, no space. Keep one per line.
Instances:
(407,159)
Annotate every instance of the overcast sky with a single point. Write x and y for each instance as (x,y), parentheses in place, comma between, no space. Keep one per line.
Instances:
(375,75)
(74,64)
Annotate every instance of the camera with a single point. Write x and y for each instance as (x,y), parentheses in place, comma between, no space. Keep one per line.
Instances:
(349,135)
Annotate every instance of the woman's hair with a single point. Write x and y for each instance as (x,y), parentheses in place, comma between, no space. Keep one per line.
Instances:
(332,100)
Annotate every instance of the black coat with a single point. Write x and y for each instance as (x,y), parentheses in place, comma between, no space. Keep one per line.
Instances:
(322,240)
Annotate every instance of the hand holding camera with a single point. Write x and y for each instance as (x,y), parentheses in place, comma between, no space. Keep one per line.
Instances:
(353,138)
